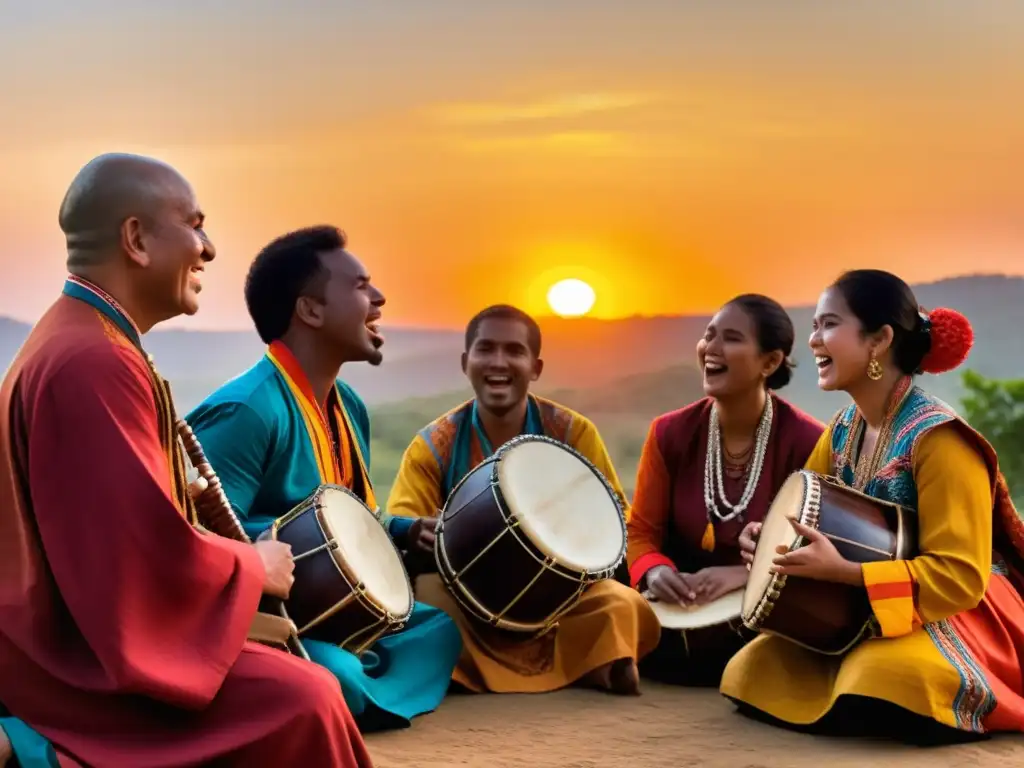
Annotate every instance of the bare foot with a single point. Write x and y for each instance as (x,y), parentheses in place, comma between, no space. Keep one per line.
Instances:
(625,678)
(6,750)
(618,676)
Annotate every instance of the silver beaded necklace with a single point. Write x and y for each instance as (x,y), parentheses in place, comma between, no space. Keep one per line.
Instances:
(713,484)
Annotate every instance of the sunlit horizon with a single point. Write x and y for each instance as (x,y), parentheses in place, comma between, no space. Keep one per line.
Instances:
(546,316)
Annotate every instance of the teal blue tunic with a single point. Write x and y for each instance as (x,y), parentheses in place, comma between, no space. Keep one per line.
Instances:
(255,438)
(31,750)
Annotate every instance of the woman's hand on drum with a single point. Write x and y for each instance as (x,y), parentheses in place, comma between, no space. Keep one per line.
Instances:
(716,582)
(818,559)
(669,586)
(748,542)
(279,566)
(421,535)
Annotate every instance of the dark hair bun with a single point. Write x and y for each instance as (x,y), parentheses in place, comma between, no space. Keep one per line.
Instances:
(781,376)
(951,340)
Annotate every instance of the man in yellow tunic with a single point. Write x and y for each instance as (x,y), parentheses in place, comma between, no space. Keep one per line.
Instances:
(597,643)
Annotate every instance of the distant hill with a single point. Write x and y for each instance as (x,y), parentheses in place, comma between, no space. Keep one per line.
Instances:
(623,373)
(579,354)
(619,373)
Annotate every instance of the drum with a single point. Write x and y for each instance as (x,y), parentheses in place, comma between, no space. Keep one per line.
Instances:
(725,611)
(526,532)
(823,616)
(706,634)
(351,587)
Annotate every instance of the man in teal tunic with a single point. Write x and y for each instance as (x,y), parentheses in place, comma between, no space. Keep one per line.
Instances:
(288,425)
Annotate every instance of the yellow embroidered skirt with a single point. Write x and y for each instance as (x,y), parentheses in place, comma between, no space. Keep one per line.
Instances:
(964,672)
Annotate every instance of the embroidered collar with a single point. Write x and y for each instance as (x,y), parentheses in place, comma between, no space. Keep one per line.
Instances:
(79,288)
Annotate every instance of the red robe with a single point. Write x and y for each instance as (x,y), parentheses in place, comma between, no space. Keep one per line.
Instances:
(122,628)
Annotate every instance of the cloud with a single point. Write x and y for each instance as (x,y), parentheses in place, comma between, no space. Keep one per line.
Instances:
(701,122)
(582,142)
(567,106)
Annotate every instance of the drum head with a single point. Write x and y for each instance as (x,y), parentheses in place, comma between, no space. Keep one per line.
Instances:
(673,616)
(788,505)
(562,506)
(367,550)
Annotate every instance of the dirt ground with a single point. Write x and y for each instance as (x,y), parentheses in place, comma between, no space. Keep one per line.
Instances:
(665,727)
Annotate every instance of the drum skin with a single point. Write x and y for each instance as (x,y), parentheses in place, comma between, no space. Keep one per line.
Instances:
(475,518)
(322,581)
(704,635)
(823,616)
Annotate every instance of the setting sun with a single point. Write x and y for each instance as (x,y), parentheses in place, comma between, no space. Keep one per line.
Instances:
(571,298)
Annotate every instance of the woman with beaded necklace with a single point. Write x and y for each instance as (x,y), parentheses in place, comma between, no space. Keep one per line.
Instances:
(945,658)
(708,469)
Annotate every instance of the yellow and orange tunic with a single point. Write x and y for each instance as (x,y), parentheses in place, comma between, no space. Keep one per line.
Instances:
(950,622)
(610,622)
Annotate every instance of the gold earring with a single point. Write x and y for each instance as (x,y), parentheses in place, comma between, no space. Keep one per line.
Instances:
(874,369)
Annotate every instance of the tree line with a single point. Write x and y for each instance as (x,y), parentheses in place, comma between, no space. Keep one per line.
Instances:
(995,407)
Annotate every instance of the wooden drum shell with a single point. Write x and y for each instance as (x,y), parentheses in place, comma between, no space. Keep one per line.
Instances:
(327,600)
(487,563)
(827,617)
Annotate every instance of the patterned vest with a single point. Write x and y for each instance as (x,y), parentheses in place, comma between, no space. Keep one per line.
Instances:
(917,415)
(451,441)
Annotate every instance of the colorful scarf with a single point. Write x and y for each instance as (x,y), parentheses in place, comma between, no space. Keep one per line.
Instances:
(334,461)
(468,452)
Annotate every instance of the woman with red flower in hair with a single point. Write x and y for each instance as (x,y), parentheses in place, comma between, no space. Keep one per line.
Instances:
(945,657)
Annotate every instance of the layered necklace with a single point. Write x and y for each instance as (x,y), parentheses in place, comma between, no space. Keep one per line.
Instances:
(865,466)
(714,475)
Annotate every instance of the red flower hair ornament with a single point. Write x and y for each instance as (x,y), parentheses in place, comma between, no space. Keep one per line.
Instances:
(951,340)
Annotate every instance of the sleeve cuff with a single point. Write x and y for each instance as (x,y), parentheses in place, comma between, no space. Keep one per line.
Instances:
(644,563)
(890,590)
(399,527)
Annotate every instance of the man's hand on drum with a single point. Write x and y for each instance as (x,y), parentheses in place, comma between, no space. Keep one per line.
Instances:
(278,564)
(421,535)
(748,542)
(713,583)
(817,559)
(670,586)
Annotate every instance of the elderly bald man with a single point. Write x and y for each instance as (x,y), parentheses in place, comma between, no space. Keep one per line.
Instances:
(122,628)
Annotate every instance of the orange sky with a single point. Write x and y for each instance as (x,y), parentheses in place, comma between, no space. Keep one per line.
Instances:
(673,153)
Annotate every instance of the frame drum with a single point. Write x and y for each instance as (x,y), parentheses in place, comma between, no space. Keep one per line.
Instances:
(823,616)
(526,532)
(351,587)
(724,610)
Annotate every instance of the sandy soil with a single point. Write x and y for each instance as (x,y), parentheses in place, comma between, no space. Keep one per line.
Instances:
(668,727)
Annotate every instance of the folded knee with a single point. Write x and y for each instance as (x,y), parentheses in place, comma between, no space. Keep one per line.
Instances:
(323,687)
(308,690)
(869,663)
(624,598)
